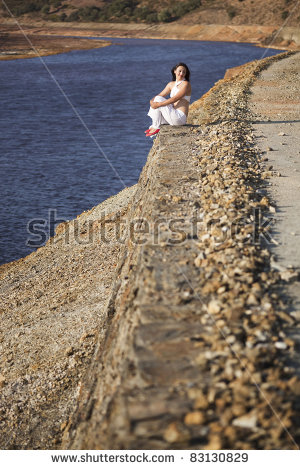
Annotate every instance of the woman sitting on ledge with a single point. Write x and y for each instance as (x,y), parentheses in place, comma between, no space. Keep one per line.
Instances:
(174,110)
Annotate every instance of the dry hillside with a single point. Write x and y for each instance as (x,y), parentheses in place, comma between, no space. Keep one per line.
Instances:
(236,12)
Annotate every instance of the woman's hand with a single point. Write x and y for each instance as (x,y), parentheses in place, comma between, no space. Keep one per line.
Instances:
(154,104)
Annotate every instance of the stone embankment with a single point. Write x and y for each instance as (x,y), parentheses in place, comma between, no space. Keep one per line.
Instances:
(196,354)
(164,328)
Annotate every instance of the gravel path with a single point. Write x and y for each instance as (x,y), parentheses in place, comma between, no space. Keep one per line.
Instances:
(275,104)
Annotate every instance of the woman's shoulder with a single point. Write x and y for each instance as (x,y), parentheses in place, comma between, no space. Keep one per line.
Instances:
(169,86)
(184,84)
(188,85)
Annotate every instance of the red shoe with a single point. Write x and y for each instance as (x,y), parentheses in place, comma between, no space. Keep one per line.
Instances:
(150,134)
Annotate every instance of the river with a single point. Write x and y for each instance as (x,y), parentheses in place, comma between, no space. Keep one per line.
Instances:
(72,125)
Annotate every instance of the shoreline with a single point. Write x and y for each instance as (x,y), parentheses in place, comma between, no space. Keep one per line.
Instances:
(55,38)
(14,44)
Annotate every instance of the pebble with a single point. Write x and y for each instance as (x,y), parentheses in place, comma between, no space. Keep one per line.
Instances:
(252,300)
(69,351)
(296,315)
(214,443)
(194,418)
(264,201)
(280,345)
(294,385)
(201,402)
(213,307)
(289,276)
(246,421)
(175,433)
(2,381)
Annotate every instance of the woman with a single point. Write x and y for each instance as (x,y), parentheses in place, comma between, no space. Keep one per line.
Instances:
(173,110)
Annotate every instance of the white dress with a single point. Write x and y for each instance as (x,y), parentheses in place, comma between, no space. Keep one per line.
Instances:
(168,114)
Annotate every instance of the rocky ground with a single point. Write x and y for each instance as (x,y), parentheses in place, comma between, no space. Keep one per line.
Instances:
(176,336)
(52,315)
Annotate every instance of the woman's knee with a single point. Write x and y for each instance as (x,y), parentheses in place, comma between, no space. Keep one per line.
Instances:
(159,99)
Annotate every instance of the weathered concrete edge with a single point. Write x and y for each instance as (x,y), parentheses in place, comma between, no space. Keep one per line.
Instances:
(121,313)
(115,329)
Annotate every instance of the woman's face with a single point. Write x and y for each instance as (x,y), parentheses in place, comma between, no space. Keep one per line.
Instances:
(180,73)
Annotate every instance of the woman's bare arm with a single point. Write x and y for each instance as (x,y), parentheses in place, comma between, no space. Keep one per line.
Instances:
(166,91)
(183,90)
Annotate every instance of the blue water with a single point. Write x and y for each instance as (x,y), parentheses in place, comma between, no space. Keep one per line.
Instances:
(72,128)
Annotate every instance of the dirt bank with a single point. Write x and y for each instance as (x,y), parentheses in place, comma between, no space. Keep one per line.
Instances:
(53,305)
(14,45)
(41,35)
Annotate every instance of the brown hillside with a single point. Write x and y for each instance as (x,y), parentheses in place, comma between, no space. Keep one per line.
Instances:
(231,12)
(268,22)
(236,12)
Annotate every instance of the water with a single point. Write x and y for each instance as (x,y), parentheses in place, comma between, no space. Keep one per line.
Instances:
(73,134)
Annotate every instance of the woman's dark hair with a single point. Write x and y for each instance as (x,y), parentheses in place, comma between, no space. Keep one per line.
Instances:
(181,64)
